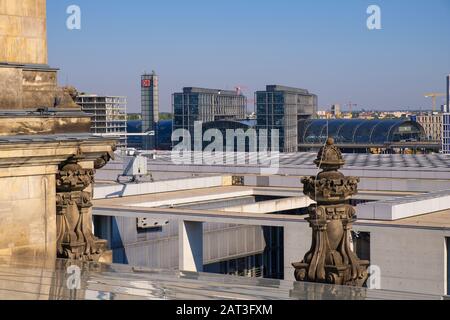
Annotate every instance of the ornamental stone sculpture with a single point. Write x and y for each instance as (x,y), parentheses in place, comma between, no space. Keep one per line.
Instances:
(75,238)
(331,258)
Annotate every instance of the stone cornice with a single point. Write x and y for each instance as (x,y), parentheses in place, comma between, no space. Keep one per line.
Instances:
(19,151)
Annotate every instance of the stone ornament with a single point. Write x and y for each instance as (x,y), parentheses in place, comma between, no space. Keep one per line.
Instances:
(75,237)
(331,259)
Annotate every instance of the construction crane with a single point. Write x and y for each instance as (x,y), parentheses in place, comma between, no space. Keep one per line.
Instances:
(351,106)
(434,96)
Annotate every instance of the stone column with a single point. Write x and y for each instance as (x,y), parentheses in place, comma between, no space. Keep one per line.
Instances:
(331,258)
(190,246)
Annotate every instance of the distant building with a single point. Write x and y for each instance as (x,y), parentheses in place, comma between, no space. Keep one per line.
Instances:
(206,105)
(150,108)
(163,134)
(281,108)
(432,124)
(109,115)
(446,133)
(336,110)
(366,136)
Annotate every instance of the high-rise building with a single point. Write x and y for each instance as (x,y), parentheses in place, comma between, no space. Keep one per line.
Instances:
(446,123)
(150,108)
(448,92)
(206,105)
(108,115)
(446,133)
(281,108)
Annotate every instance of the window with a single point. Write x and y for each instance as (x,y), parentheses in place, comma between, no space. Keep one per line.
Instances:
(361,244)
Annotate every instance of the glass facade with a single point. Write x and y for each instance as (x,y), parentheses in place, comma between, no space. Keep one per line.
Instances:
(281,108)
(359,131)
(446,133)
(164,135)
(206,105)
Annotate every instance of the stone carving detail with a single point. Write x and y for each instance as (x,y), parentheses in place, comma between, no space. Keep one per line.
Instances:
(75,238)
(331,259)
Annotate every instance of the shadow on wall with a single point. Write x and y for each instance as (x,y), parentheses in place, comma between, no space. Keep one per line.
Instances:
(107,228)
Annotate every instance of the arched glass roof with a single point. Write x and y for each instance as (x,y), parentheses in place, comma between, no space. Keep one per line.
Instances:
(359,131)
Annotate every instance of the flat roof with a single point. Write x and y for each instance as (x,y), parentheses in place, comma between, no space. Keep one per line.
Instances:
(158,205)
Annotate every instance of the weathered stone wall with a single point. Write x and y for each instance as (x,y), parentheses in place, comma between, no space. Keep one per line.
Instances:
(27,212)
(10,88)
(31,88)
(23,31)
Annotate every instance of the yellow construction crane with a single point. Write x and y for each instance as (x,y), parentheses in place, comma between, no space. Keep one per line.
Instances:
(434,96)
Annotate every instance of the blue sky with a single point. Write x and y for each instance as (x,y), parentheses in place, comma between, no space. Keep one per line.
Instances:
(320,45)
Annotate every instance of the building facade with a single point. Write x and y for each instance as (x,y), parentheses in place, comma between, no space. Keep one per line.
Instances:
(446,133)
(108,115)
(150,108)
(432,124)
(281,108)
(336,110)
(206,105)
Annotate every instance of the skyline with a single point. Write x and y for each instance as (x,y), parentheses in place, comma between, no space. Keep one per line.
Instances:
(323,47)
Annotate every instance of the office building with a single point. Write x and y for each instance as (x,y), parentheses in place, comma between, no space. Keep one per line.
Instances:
(150,108)
(432,124)
(108,115)
(336,110)
(446,133)
(207,105)
(282,108)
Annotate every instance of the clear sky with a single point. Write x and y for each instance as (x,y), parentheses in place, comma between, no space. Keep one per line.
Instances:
(320,45)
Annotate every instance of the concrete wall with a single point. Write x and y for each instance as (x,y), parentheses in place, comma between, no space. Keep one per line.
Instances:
(160,249)
(23,31)
(28,213)
(411,260)
(114,191)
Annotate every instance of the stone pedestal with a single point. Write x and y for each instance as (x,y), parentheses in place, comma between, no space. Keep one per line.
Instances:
(331,259)
(45,205)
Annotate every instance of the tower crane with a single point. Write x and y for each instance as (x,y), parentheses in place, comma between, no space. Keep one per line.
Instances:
(434,96)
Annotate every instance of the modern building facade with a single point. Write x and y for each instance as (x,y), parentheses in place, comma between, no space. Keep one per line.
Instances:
(362,136)
(150,108)
(336,110)
(281,108)
(108,115)
(206,105)
(432,124)
(163,134)
(446,133)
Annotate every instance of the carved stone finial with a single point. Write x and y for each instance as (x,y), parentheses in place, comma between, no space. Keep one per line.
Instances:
(331,259)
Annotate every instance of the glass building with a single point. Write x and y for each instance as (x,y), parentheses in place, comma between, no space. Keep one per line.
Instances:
(281,108)
(206,105)
(359,133)
(164,135)
(446,133)
(150,108)
(223,126)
